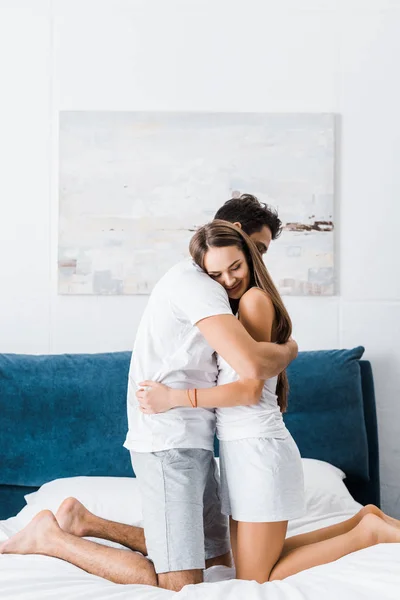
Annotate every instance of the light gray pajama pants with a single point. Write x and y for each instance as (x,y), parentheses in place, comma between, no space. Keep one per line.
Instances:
(183,523)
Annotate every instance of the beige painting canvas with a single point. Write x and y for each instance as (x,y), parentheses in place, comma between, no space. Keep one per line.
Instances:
(134,186)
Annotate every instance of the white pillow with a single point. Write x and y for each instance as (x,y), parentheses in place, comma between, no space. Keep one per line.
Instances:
(321,475)
(118,498)
(325,491)
(113,498)
(327,499)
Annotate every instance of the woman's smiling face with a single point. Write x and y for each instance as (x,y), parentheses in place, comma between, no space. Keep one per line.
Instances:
(228,266)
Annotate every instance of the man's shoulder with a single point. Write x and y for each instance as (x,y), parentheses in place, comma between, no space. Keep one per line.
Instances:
(184,273)
(186,276)
(185,270)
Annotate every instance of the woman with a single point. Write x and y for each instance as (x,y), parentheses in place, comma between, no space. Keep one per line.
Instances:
(261,471)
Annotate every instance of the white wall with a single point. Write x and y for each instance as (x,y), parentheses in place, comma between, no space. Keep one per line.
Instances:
(251,55)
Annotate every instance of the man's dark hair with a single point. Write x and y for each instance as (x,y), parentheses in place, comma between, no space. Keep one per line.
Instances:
(251,214)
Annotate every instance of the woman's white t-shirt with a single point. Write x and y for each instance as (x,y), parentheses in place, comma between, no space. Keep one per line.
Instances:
(262,420)
(170,349)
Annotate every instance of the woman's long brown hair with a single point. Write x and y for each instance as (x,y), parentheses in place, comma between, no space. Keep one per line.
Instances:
(219,234)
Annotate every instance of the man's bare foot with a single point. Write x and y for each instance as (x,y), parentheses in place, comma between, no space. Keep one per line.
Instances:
(35,538)
(74,518)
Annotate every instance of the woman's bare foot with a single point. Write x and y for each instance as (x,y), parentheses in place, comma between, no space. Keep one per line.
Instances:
(74,518)
(374,510)
(377,530)
(35,538)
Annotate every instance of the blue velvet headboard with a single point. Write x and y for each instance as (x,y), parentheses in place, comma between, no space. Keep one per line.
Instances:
(65,415)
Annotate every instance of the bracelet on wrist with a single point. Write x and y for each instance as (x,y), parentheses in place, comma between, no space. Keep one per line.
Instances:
(194,404)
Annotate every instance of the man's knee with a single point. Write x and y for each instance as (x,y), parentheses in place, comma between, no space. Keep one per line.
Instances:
(176,580)
(143,572)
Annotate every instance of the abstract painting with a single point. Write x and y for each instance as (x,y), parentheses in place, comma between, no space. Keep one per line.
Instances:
(134,186)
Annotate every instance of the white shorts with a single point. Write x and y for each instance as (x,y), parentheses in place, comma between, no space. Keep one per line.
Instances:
(261,480)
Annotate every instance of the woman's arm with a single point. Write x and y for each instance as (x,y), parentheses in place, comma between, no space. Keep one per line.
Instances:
(256,313)
(160,398)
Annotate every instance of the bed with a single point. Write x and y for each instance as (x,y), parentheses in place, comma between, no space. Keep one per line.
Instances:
(62,426)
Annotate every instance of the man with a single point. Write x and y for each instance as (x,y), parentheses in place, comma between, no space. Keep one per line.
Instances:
(258,220)
(187,319)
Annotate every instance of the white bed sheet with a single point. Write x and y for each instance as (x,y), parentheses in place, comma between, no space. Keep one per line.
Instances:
(369,574)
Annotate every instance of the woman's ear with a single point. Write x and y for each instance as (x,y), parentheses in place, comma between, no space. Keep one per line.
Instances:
(238,224)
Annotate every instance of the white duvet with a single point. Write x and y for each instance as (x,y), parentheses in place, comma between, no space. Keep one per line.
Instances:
(370,574)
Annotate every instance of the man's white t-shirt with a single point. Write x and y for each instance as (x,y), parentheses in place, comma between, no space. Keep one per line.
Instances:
(170,349)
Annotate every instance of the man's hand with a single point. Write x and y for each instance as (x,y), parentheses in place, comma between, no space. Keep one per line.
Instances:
(154,397)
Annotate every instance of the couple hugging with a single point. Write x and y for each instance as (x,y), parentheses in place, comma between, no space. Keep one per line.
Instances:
(210,354)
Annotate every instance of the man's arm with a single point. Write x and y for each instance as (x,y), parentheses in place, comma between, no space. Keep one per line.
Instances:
(257,315)
(209,309)
(248,358)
